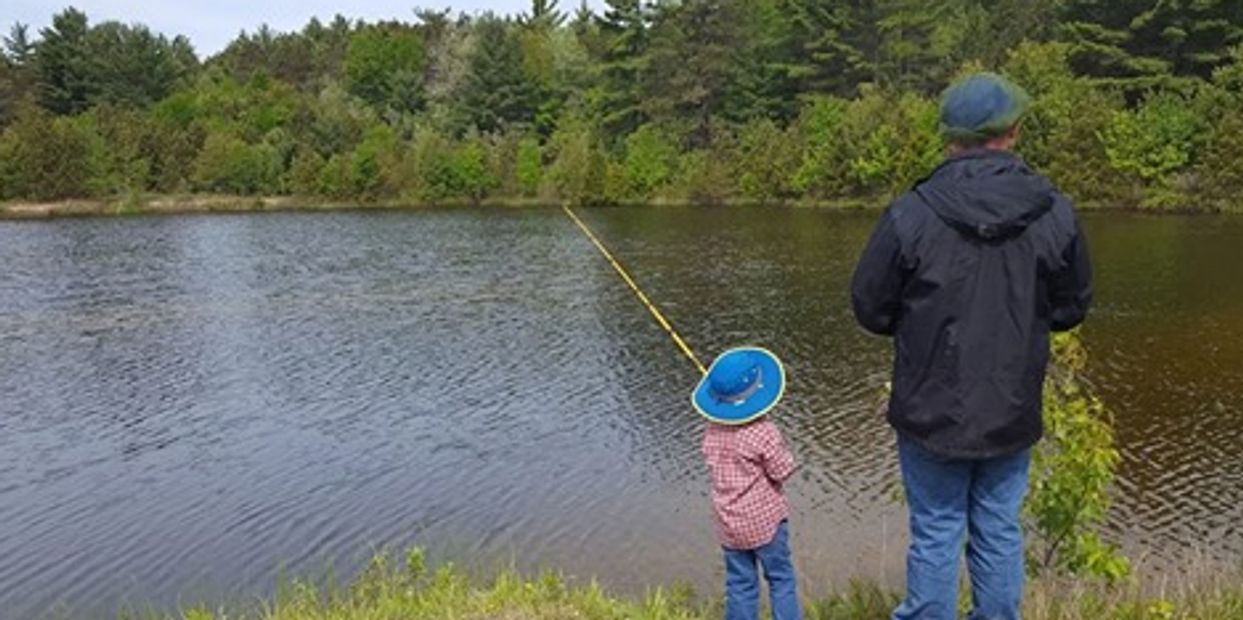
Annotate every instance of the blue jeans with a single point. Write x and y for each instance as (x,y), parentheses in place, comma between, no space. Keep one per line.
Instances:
(742,580)
(949,499)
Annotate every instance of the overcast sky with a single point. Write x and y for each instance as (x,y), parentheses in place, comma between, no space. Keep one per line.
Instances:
(211,25)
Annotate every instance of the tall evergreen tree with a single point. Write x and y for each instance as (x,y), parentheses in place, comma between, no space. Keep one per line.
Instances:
(64,65)
(16,71)
(544,14)
(920,42)
(690,64)
(497,94)
(624,33)
(1138,41)
(832,45)
(384,66)
(130,65)
(17,45)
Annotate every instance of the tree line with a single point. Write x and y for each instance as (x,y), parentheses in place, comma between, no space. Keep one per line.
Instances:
(1136,102)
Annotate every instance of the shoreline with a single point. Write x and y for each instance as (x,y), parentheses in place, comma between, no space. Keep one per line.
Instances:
(191,204)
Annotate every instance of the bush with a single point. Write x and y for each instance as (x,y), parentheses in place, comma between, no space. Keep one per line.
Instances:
(227,164)
(578,164)
(1220,171)
(1072,471)
(704,177)
(446,171)
(1152,144)
(766,164)
(822,160)
(529,167)
(650,162)
(303,177)
(45,158)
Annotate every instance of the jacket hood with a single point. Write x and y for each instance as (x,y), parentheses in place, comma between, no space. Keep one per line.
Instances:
(987,194)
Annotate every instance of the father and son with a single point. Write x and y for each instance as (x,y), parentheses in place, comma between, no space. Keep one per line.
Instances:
(968,272)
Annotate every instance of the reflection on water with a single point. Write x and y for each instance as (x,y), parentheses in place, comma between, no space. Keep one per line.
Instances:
(188,404)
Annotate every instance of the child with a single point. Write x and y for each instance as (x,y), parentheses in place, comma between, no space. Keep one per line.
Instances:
(749,463)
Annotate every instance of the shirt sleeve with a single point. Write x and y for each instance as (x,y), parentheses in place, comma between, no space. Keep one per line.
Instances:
(876,287)
(778,461)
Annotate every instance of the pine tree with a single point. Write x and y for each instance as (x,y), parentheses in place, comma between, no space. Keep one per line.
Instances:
(832,46)
(761,85)
(63,64)
(1139,42)
(690,64)
(496,94)
(624,34)
(544,14)
(921,43)
(17,45)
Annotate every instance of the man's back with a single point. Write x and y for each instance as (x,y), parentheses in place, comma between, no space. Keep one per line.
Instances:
(969,272)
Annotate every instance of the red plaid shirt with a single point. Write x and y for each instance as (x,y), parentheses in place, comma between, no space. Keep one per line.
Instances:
(748,464)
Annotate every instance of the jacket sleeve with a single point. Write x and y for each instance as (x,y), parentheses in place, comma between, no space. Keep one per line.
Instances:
(876,289)
(1070,290)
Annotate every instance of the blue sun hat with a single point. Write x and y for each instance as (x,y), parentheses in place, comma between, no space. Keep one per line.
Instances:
(742,385)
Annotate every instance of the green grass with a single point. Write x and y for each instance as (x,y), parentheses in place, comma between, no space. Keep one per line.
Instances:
(391,590)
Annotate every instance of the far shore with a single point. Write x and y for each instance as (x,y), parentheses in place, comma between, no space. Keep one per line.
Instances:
(183,204)
(211,203)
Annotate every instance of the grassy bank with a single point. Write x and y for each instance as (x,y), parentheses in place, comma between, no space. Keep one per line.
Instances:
(409,590)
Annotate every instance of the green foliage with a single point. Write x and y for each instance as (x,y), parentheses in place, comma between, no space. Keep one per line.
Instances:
(45,158)
(496,94)
(384,66)
(1062,134)
(408,587)
(1220,171)
(650,162)
(764,100)
(1153,143)
(228,164)
(704,177)
(579,164)
(819,134)
(449,171)
(1072,471)
(765,162)
(529,166)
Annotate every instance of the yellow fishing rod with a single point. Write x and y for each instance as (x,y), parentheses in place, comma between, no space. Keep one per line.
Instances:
(634,286)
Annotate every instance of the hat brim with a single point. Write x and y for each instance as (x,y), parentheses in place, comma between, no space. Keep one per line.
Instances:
(772,387)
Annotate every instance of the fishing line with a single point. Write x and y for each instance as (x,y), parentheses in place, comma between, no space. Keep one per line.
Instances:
(634,286)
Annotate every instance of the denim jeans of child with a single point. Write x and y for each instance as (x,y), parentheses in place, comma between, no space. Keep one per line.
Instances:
(949,499)
(742,580)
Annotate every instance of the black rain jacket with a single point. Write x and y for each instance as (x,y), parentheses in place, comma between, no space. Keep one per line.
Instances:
(969,272)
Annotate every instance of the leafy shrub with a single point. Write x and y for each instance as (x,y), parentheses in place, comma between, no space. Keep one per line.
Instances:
(765,163)
(579,164)
(529,166)
(650,162)
(818,133)
(46,158)
(1151,144)
(228,164)
(1072,471)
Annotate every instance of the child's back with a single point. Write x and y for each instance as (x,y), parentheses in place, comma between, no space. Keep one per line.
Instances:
(748,465)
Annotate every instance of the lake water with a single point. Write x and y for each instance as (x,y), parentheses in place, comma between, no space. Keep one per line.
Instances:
(190,405)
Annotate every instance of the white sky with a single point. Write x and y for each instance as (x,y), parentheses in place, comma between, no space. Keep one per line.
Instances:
(211,25)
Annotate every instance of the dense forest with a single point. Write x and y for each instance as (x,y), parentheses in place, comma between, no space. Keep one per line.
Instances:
(1137,103)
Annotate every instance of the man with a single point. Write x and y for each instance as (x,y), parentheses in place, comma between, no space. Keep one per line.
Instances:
(969,272)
